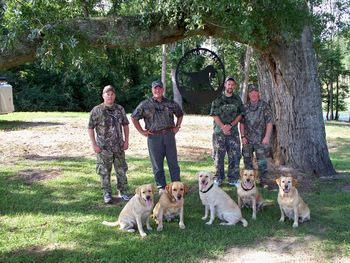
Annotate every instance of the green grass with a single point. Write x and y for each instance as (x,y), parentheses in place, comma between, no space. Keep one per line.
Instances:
(59,220)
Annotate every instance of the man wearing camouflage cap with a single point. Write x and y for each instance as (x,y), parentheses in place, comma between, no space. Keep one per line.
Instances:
(160,128)
(256,128)
(226,111)
(109,121)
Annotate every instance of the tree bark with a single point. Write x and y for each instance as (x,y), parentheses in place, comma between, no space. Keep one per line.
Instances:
(164,66)
(248,55)
(289,82)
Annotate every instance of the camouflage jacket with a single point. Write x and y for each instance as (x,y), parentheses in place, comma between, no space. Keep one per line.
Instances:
(108,122)
(157,115)
(255,118)
(227,109)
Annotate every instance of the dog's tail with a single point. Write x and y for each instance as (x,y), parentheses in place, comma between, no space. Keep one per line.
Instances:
(266,203)
(110,223)
(244,222)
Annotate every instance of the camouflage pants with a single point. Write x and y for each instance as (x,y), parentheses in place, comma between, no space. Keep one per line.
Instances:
(105,161)
(261,153)
(231,146)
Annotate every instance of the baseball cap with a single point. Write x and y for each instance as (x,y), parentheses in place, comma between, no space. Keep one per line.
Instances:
(230,78)
(157,83)
(108,88)
(252,87)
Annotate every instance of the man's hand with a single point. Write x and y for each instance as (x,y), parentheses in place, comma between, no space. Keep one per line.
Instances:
(126,145)
(96,148)
(266,140)
(244,140)
(176,129)
(145,133)
(226,129)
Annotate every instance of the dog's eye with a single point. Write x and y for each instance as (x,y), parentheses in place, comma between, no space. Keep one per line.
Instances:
(174,190)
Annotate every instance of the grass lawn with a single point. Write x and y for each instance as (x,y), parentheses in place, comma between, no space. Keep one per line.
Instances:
(58,218)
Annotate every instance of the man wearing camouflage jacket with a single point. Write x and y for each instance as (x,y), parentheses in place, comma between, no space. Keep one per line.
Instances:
(226,111)
(256,128)
(109,121)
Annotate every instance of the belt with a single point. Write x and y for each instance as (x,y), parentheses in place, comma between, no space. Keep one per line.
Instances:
(163,131)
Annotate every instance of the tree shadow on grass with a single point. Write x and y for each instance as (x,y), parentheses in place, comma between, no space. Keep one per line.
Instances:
(75,199)
(22,125)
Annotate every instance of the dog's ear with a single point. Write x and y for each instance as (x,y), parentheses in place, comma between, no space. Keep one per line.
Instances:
(186,188)
(154,189)
(168,188)
(278,181)
(138,190)
(295,182)
(241,173)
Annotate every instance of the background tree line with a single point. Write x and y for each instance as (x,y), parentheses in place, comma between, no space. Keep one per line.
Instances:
(66,79)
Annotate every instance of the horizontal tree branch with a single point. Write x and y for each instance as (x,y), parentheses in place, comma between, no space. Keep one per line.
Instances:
(112,32)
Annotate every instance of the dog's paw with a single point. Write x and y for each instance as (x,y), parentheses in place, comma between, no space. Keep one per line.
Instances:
(143,234)
(149,228)
(209,222)
(131,230)
(204,217)
(281,219)
(295,224)
(254,217)
(182,226)
(159,228)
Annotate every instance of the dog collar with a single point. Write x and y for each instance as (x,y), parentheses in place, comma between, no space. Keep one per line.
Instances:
(207,189)
(245,189)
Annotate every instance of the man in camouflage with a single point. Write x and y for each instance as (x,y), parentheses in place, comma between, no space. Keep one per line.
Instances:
(256,128)
(160,129)
(226,111)
(109,121)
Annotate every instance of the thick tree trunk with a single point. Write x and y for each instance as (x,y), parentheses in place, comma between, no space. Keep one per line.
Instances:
(289,82)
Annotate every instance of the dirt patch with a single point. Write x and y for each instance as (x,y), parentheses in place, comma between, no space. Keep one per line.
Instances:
(33,175)
(273,250)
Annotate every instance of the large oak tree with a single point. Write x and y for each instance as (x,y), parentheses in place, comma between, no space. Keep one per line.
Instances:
(277,30)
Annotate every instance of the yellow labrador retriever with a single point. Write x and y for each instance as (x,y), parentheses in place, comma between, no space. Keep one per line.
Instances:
(248,193)
(171,204)
(290,202)
(218,202)
(137,211)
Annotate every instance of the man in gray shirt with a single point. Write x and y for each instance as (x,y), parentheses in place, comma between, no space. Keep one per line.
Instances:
(160,128)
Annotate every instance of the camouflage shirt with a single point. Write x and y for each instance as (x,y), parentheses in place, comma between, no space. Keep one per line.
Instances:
(255,118)
(227,109)
(108,122)
(157,115)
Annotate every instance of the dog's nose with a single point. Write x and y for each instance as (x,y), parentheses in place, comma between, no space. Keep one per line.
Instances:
(148,197)
(248,180)
(179,197)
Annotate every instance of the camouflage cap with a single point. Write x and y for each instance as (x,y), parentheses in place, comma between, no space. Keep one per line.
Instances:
(229,78)
(157,83)
(108,88)
(252,87)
